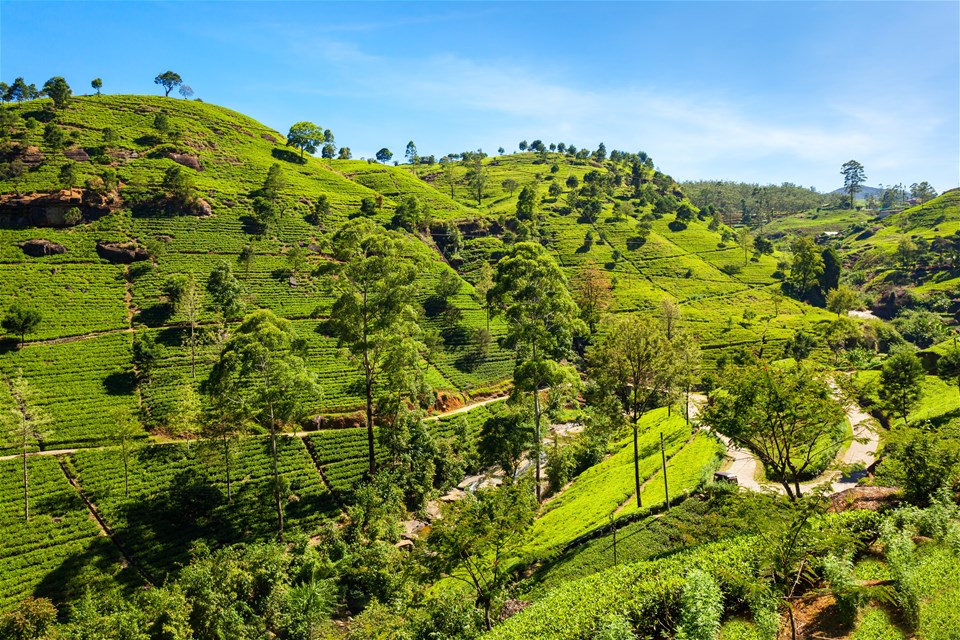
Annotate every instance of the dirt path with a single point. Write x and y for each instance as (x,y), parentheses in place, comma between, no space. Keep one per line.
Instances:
(862,451)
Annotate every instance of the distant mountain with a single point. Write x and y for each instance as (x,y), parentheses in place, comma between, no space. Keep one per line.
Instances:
(863,193)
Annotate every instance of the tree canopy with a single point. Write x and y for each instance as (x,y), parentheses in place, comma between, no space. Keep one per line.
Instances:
(169,81)
(305,136)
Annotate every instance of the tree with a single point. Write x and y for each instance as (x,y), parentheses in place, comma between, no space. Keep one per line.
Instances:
(21,319)
(504,438)
(183,295)
(853,177)
(509,185)
(58,90)
(799,346)
(592,291)
(411,154)
(744,240)
(344,153)
(177,184)
(901,383)
(247,257)
(373,316)
(449,175)
(261,377)
(448,285)
(805,265)
(841,299)
(126,431)
(922,192)
(274,183)
(482,287)
(186,91)
(305,136)
(168,80)
(97,84)
(53,137)
(68,175)
(531,291)
(785,416)
(829,278)
(26,424)
(409,215)
(526,203)
(476,175)
(948,366)
(384,155)
(634,363)
(224,291)
(476,537)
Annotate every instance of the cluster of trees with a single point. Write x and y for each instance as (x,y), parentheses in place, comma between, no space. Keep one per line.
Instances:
(169,81)
(56,88)
(751,204)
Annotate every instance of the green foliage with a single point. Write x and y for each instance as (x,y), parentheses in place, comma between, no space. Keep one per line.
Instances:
(168,80)
(58,90)
(305,136)
(701,607)
(922,328)
(901,383)
(21,319)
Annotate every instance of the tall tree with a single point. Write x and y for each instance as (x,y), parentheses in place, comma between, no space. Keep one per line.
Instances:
(21,319)
(593,292)
(97,84)
(527,203)
(482,287)
(168,80)
(411,154)
(26,424)
(384,155)
(785,416)
(477,536)
(261,376)
(373,312)
(542,318)
(634,362)
(901,383)
(225,293)
(58,90)
(184,297)
(805,265)
(853,177)
(126,431)
(922,192)
(449,175)
(476,175)
(305,136)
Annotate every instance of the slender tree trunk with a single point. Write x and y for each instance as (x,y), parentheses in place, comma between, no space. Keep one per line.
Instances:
(193,351)
(26,484)
(126,473)
(368,374)
(226,462)
(636,461)
(536,435)
(663,459)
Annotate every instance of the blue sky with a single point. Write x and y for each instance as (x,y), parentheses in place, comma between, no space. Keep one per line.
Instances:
(753,91)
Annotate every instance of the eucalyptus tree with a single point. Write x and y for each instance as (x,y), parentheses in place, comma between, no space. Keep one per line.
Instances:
(530,290)
(634,361)
(374,316)
(261,377)
(26,424)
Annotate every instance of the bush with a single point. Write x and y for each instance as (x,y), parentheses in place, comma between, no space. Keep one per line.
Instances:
(617,628)
(839,573)
(701,607)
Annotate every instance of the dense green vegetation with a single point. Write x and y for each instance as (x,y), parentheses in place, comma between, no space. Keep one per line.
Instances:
(239,357)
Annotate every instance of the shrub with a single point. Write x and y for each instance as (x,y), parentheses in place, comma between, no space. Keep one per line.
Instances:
(701,607)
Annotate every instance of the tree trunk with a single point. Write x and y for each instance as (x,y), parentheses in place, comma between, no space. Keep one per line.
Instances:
(368,375)
(226,462)
(663,458)
(126,472)
(193,352)
(276,473)
(636,461)
(536,435)
(26,485)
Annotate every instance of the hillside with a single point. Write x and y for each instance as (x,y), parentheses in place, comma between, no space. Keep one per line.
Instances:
(141,478)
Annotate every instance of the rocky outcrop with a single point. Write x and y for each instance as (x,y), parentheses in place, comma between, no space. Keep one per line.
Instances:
(185,159)
(121,253)
(39,248)
(50,209)
(76,154)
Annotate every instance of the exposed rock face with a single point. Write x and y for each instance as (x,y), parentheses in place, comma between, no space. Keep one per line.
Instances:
(50,209)
(202,208)
(121,253)
(76,154)
(185,159)
(39,248)
(268,137)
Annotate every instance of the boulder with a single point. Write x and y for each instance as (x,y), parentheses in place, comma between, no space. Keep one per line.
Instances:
(268,137)
(38,248)
(185,159)
(121,253)
(76,154)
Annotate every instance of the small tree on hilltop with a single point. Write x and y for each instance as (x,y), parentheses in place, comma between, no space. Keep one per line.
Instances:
(305,136)
(186,91)
(384,155)
(97,84)
(21,319)
(169,81)
(58,90)
(853,177)
(922,192)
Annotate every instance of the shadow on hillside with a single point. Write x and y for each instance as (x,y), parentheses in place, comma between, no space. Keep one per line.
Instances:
(97,568)
(120,383)
(635,242)
(286,155)
(156,315)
